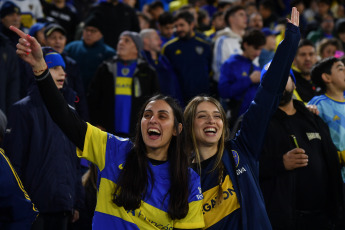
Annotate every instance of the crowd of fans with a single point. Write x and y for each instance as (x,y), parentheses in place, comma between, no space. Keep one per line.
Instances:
(110,56)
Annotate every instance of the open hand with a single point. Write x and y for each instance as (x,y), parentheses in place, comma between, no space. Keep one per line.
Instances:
(29,49)
(294,17)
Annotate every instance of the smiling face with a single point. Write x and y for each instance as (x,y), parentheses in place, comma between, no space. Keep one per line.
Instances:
(208,124)
(58,75)
(157,127)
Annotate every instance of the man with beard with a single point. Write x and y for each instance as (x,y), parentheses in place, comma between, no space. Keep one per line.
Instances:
(303,63)
(190,57)
(299,169)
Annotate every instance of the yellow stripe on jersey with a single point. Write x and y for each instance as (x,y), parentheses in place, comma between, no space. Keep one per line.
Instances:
(213,212)
(123,86)
(19,182)
(341,155)
(94,146)
(106,205)
(168,43)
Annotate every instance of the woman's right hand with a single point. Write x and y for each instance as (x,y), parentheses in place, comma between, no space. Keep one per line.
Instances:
(29,50)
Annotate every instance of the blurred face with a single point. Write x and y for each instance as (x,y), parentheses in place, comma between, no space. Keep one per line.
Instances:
(256,22)
(11,19)
(328,51)
(58,75)
(57,41)
(154,42)
(156,12)
(251,52)
(157,126)
(208,124)
(305,59)
(183,29)
(338,76)
(271,42)
(323,8)
(288,92)
(143,23)
(238,20)
(327,24)
(218,23)
(126,48)
(40,37)
(167,30)
(342,37)
(91,35)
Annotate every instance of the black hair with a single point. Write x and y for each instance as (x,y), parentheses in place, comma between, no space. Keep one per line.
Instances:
(184,14)
(155,5)
(341,27)
(324,66)
(133,180)
(231,11)
(327,2)
(186,7)
(253,37)
(165,19)
(216,15)
(305,42)
(296,2)
(267,4)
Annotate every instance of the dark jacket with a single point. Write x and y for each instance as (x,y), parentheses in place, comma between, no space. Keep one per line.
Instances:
(16,208)
(101,95)
(278,184)
(9,75)
(42,155)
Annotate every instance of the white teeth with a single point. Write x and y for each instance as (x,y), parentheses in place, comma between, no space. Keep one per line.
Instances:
(154,131)
(210,130)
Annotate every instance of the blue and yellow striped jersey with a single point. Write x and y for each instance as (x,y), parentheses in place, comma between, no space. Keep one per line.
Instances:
(109,153)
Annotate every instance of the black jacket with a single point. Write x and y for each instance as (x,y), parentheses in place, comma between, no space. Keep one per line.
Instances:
(278,184)
(101,96)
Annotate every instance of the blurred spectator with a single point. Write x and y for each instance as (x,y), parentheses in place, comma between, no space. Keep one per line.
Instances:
(255,21)
(210,7)
(167,78)
(131,3)
(55,36)
(191,9)
(9,75)
(298,166)
(156,8)
(224,5)
(267,51)
(328,47)
(31,11)
(203,20)
(10,15)
(16,209)
(325,30)
(90,51)
(64,14)
(340,31)
(144,21)
(267,11)
(217,23)
(121,85)
(227,41)
(116,17)
(43,156)
(300,5)
(37,31)
(190,57)
(239,77)
(251,9)
(166,27)
(305,59)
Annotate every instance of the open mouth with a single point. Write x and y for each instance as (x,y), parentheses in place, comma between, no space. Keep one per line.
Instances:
(210,130)
(61,81)
(153,132)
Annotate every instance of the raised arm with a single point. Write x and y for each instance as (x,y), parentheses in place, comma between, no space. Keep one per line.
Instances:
(267,99)
(31,52)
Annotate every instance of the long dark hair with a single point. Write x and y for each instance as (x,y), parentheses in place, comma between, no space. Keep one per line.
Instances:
(133,180)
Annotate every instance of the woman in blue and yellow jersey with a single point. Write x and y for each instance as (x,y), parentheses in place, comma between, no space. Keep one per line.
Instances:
(229,168)
(143,185)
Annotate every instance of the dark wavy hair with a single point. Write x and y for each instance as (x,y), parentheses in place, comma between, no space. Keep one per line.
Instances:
(133,180)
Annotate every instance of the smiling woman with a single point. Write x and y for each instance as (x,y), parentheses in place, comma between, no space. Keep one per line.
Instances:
(143,185)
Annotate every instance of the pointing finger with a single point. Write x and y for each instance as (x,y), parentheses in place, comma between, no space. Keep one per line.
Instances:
(18,31)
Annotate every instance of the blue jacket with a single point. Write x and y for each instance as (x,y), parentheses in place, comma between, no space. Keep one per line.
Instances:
(42,155)
(235,83)
(16,208)
(243,163)
(191,60)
